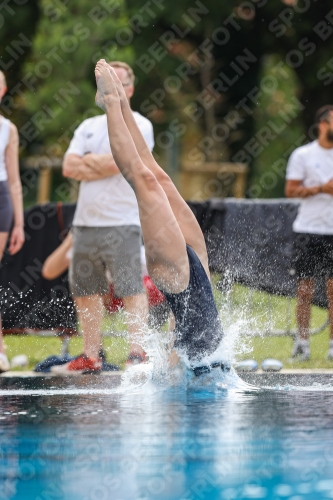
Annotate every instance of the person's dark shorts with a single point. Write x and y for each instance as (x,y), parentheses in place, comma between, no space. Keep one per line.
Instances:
(96,249)
(6,208)
(313,255)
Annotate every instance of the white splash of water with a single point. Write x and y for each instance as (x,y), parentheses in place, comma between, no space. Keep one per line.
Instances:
(158,374)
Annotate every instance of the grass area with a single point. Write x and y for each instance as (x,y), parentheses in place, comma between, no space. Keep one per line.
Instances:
(244,313)
(38,348)
(251,312)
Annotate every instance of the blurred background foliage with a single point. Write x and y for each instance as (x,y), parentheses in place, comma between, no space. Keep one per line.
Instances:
(48,49)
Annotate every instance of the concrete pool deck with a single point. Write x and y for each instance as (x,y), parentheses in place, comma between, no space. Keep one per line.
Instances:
(31,380)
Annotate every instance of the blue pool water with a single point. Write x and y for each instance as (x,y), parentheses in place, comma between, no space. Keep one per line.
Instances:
(167,444)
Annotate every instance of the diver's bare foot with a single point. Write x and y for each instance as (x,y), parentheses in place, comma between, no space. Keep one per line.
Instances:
(106,87)
(119,85)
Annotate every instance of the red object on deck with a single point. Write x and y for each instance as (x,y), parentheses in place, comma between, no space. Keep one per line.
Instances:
(155,297)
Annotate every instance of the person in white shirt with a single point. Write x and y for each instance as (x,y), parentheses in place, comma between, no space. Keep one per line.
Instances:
(310,177)
(11,205)
(106,233)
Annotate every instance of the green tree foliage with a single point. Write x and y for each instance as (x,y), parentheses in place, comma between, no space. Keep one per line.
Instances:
(299,32)
(18,23)
(71,37)
(177,49)
(184,46)
(278,128)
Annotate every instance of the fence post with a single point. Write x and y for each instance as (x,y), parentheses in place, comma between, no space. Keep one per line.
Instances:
(44,184)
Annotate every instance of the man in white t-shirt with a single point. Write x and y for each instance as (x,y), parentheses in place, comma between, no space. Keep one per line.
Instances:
(310,177)
(106,233)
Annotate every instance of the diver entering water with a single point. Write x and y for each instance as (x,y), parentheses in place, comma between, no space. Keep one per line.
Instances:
(175,248)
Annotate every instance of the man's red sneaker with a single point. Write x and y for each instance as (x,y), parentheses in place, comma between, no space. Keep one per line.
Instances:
(81,364)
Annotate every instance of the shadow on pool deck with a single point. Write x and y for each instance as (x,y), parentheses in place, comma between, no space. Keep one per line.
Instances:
(31,380)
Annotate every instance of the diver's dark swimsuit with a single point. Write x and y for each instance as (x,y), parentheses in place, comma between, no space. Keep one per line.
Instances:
(198,330)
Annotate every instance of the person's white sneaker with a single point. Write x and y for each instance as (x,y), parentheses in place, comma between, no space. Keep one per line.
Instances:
(21,360)
(4,363)
(297,349)
(301,348)
(306,353)
(330,351)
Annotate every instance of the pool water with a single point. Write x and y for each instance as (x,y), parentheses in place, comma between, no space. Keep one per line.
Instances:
(167,443)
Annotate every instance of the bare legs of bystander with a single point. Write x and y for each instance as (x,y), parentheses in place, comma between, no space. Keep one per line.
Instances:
(90,310)
(305,290)
(4,364)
